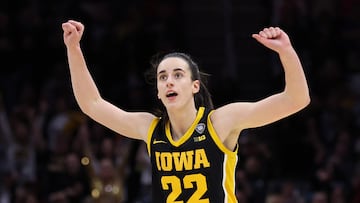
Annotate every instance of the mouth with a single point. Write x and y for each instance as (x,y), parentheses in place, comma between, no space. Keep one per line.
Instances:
(171,94)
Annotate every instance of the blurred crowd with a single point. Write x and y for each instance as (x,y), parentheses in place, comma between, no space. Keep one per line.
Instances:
(50,152)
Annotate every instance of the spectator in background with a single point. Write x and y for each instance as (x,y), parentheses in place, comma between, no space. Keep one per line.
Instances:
(106,174)
(274,198)
(72,184)
(319,197)
(107,184)
(143,166)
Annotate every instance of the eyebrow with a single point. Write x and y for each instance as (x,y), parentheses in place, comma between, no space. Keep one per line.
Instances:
(176,69)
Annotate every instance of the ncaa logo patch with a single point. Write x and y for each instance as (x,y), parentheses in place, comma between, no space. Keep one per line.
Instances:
(200,128)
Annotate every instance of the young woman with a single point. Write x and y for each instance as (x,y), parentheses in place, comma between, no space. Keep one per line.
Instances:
(193,147)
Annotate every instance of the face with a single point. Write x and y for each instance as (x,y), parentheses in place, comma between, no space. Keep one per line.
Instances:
(174,84)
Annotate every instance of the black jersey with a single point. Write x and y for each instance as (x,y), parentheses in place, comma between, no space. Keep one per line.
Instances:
(197,168)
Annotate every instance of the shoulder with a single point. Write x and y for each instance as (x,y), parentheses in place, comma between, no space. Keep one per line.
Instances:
(228,119)
(230,112)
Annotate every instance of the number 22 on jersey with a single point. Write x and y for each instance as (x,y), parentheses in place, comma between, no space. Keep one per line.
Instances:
(174,184)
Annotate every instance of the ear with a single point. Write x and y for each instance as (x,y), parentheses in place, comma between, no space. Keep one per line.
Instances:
(196,86)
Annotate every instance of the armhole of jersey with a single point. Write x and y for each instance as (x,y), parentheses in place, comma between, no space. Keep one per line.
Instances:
(150,132)
(217,140)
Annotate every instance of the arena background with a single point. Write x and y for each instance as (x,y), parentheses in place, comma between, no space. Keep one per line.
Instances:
(308,157)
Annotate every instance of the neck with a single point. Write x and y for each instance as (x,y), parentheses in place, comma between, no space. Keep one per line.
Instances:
(181,120)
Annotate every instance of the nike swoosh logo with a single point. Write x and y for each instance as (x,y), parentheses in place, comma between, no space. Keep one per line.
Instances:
(159,141)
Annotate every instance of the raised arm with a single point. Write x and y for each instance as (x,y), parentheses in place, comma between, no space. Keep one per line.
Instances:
(230,119)
(133,125)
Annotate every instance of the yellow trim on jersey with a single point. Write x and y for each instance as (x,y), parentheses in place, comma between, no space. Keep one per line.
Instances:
(217,140)
(229,165)
(188,133)
(151,129)
(228,182)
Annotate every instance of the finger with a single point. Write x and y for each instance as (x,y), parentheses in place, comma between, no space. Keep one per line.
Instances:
(79,26)
(269,32)
(272,32)
(277,30)
(263,34)
(68,28)
(258,37)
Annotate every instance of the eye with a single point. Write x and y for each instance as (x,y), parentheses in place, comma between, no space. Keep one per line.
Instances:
(162,77)
(178,75)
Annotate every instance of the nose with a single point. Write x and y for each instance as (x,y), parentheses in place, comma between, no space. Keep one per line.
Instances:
(169,82)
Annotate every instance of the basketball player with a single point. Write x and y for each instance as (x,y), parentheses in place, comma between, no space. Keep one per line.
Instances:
(193,147)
